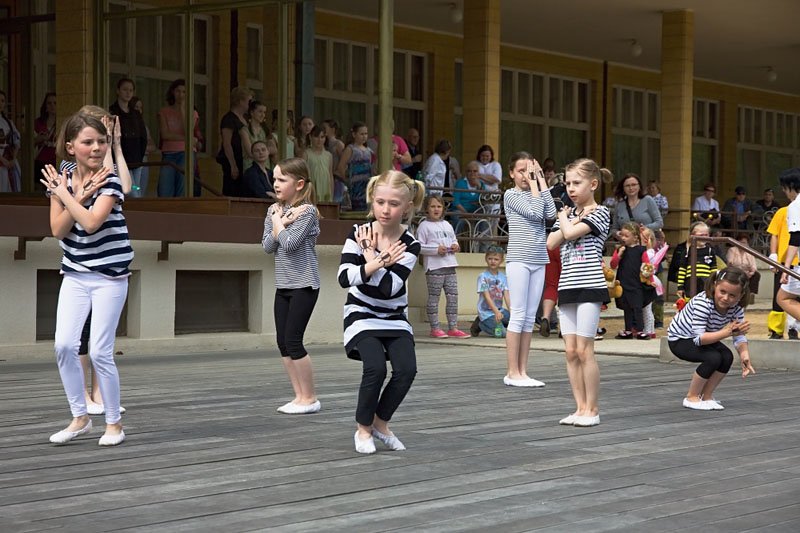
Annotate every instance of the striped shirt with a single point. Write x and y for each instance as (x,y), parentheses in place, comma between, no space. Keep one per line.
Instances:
(700,316)
(706,266)
(582,277)
(296,264)
(108,250)
(527,234)
(376,305)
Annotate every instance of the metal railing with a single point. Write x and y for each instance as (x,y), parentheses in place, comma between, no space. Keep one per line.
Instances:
(733,242)
(214,191)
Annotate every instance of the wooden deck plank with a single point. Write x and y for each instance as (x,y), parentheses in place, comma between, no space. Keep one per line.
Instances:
(207,452)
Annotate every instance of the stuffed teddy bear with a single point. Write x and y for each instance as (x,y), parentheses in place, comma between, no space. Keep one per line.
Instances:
(614,286)
(646,272)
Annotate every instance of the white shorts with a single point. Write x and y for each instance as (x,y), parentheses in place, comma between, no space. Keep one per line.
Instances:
(579,319)
(793,287)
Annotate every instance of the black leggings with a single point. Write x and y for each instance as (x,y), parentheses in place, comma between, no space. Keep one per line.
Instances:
(293,308)
(714,357)
(374,351)
(87,328)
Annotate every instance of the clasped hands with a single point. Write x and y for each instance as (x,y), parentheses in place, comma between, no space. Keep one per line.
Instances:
(367,239)
(274,212)
(56,183)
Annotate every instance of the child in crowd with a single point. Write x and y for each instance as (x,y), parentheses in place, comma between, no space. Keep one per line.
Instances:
(291,228)
(697,331)
(320,165)
(356,166)
(778,245)
(580,232)
(86,216)
(492,294)
(744,261)
(706,261)
(528,205)
(656,250)
(377,259)
(438,247)
(789,293)
(628,260)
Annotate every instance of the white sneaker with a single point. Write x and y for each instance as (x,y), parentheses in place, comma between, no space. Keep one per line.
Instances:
(700,405)
(299,409)
(568,421)
(364,446)
(586,421)
(525,382)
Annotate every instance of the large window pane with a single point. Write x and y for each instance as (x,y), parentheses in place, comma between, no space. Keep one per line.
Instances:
(320,63)
(699,119)
(172,42)
(458,83)
(516,136)
(201,103)
(776,163)
(712,120)
(702,166)
(757,121)
(567,145)
(345,113)
(627,109)
(146,41)
(523,93)
(358,69)
(399,75)
(417,78)
(626,154)
(254,53)
(638,110)
(118,28)
(340,62)
(568,100)
(507,91)
(652,172)
(200,46)
(748,165)
(583,102)
(555,98)
(537,87)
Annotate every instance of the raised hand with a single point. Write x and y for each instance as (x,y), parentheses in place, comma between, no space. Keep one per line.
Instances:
(54,182)
(392,254)
(294,213)
(98,179)
(366,238)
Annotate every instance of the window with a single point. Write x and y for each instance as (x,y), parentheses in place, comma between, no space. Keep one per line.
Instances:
(635,132)
(545,114)
(346,85)
(768,143)
(151,53)
(255,58)
(705,135)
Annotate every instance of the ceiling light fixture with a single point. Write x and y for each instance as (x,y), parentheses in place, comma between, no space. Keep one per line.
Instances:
(772,76)
(636,48)
(456,13)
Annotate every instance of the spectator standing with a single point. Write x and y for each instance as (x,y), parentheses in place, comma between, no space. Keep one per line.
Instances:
(400,154)
(134,132)
(437,170)
(303,140)
(45,129)
(171,121)
(144,179)
(10,175)
(320,165)
(654,191)
(255,131)
(356,166)
(231,155)
(634,206)
(415,151)
(332,143)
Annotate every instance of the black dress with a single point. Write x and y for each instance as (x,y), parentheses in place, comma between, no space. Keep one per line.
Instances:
(635,294)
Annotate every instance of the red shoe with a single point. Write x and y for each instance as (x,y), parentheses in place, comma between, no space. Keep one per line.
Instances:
(457,333)
(438,334)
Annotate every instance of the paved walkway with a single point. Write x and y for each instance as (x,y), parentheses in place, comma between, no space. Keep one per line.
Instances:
(206,450)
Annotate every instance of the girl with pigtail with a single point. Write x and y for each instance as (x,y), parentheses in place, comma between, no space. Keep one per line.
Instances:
(377,259)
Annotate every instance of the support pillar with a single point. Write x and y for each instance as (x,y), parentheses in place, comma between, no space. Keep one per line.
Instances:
(75,55)
(677,78)
(385,87)
(304,60)
(481,75)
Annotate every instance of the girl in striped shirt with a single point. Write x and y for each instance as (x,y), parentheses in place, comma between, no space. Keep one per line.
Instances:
(377,259)
(697,331)
(97,252)
(581,232)
(291,228)
(528,205)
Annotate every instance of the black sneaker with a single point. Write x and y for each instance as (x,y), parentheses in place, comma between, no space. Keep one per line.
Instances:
(475,328)
(658,325)
(544,328)
(793,334)
(774,336)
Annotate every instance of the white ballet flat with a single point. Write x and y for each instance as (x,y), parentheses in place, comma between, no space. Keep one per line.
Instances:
(64,436)
(391,441)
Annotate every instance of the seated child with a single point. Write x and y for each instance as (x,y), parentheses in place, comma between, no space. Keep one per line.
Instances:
(493,301)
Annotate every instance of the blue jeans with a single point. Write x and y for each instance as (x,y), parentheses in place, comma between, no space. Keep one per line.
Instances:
(487,325)
(171,183)
(138,182)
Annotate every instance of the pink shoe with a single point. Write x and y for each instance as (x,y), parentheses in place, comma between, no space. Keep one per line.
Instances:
(438,334)
(458,334)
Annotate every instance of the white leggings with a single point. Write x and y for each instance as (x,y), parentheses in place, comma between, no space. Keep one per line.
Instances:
(80,293)
(579,319)
(525,285)
(649,318)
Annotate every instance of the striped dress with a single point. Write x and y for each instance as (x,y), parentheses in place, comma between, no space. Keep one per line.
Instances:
(527,234)
(700,316)
(296,263)
(108,250)
(376,305)
(582,277)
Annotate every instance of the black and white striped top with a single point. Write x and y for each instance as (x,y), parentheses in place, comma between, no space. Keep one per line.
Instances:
(527,234)
(296,263)
(375,306)
(582,277)
(700,316)
(108,250)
